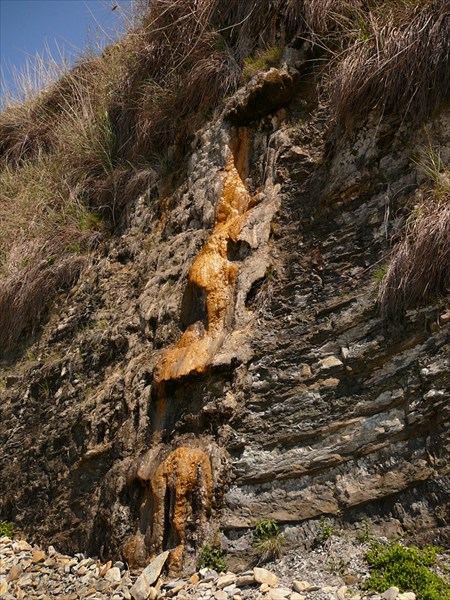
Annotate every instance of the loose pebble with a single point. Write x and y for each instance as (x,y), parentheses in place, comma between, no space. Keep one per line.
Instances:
(30,573)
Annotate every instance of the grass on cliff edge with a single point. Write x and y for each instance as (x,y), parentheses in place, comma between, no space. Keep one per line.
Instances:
(407,568)
(73,156)
(419,269)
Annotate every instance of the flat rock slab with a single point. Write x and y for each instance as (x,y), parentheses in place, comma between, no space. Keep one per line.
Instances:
(279,594)
(264,576)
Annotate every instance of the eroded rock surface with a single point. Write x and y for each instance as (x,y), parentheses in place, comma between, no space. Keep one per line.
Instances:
(223,360)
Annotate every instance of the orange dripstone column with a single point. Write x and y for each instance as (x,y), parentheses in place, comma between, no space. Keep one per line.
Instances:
(215,274)
(181,489)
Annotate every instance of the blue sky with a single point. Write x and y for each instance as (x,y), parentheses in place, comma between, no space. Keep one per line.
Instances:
(30,26)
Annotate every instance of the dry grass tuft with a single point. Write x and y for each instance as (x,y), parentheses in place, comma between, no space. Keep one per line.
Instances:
(401,65)
(26,294)
(419,271)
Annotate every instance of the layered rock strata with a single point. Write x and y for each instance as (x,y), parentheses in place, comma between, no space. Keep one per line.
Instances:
(224,360)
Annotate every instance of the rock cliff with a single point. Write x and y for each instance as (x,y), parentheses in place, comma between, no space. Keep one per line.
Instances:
(223,358)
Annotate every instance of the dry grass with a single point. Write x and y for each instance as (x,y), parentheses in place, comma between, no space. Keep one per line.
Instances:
(45,231)
(400,66)
(419,271)
(269,549)
(26,295)
(69,153)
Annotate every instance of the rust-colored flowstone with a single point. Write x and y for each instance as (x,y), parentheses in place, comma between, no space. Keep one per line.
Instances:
(180,483)
(215,274)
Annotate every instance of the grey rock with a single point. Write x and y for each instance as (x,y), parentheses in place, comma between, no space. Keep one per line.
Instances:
(391,593)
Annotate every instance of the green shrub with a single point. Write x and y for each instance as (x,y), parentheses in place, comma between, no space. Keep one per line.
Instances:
(406,568)
(211,558)
(325,532)
(268,543)
(6,529)
(266,528)
(364,535)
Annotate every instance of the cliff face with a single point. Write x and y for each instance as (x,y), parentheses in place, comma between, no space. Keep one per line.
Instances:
(224,359)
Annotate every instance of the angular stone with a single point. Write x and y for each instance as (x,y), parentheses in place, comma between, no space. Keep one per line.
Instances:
(231,589)
(38,556)
(102,585)
(407,596)
(225,580)
(264,576)
(341,593)
(391,593)
(245,579)
(208,574)
(301,586)
(105,568)
(153,570)
(175,589)
(3,587)
(220,595)
(14,573)
(296,596)
(22,546)
(330,362)
(113,575)
(142,591)
(279,593)
(68,566)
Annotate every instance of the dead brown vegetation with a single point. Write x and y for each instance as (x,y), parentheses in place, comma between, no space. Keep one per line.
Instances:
(419,270)
(400,65)
(69,154)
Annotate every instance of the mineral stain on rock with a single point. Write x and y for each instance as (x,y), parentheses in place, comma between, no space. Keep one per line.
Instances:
(213,275)
(178,497)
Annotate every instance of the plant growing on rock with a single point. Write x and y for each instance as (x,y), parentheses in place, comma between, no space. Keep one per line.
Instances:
(364,535)
(407,568)
(6,529)
(325,532)
(268,542)
(262,61)
(211,558)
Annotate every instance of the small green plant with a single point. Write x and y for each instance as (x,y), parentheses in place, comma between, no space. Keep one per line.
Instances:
(6,529)
(326,531)
(211,558)
(381,272)
(266,528)
(406,568)
(263,60)
(268,542)
(364,535)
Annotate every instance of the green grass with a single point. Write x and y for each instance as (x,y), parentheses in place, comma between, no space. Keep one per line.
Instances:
(261,61)
(6,529)
(211,558)
(268,543)
(407,568)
